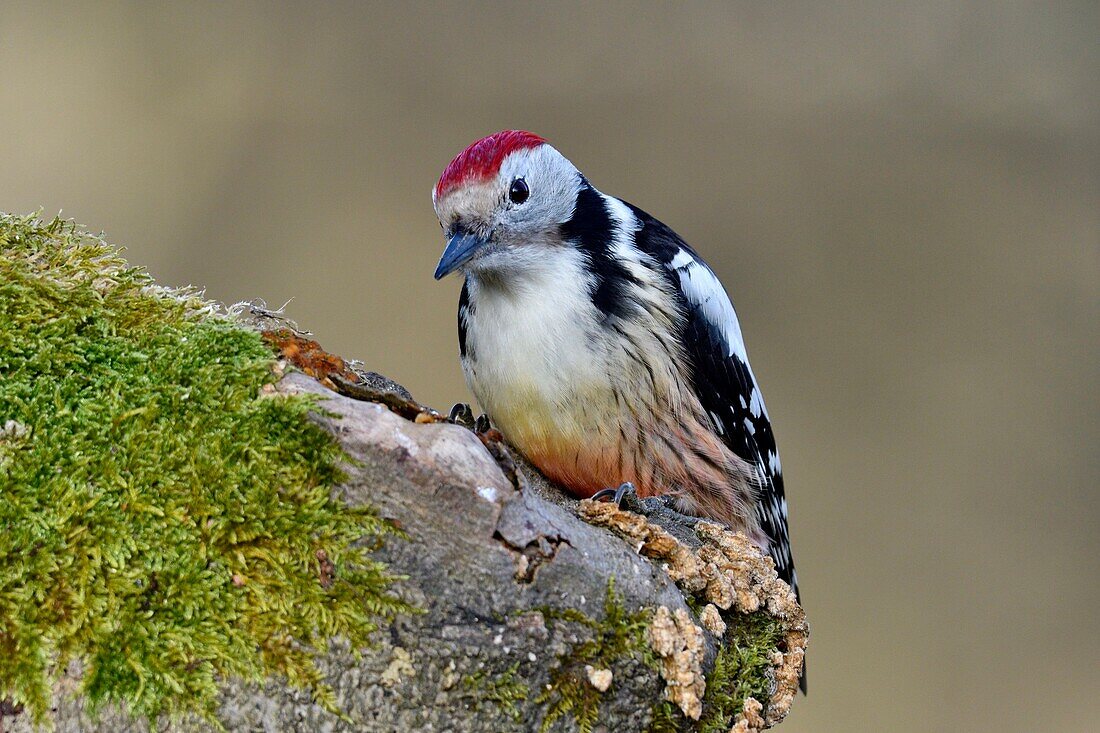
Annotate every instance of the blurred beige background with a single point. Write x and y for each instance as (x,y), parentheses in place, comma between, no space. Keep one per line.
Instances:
(903,203)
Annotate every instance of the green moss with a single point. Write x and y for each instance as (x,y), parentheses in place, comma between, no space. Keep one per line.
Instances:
(667,718)
(504,690)
(163,522)
(739,670)
(695,603)
(618,636)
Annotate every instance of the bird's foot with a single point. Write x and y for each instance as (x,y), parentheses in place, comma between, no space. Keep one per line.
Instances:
(663,507)
(625,497)
(461,414)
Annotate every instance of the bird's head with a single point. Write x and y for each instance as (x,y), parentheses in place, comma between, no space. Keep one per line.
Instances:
(502,203)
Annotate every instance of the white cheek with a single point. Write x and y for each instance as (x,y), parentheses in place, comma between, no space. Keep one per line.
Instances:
(553,182)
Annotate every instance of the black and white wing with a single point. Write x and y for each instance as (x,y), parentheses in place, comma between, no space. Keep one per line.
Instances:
(722,377)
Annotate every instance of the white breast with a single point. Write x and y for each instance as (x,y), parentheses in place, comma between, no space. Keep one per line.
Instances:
(533,360)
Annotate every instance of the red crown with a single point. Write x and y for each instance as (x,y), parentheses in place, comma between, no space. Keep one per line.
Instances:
(483,159)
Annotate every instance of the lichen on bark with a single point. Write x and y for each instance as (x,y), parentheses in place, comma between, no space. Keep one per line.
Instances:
(759,626)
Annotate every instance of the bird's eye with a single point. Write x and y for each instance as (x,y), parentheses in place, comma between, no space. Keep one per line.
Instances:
(519,192)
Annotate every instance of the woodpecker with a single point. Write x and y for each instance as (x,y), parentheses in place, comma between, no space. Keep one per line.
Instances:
(601,345)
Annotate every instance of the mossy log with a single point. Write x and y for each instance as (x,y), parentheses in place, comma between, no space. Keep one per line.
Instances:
(475,596)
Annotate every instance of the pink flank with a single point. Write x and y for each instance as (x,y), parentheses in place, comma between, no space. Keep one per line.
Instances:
(483,159)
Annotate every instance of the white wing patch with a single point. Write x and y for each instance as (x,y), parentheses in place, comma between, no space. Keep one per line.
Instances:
(623,241)
(701,288)
(683,258)
(756,402)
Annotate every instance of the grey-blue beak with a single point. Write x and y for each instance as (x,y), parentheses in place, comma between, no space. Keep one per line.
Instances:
(460,250)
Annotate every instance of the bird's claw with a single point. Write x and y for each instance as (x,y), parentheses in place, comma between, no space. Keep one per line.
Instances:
(461,414)
(625,497)
(663,507)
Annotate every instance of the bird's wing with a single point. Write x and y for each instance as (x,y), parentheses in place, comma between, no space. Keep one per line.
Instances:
(721,375)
